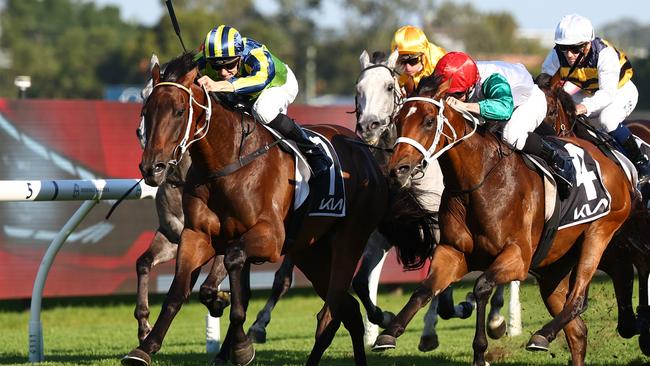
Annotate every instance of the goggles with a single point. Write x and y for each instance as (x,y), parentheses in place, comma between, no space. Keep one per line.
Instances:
(573,48)
(223,63)
(409,59)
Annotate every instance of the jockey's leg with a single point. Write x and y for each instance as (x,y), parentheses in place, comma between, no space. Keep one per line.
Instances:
(631,149)
(560,161)
(316,156)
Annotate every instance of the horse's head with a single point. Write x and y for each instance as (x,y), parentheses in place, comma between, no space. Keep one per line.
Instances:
(427,127)
(561,109)
(377,96)
(171,114)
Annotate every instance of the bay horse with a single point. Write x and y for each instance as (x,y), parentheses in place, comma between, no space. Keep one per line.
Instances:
(492,217)
(241,213)
(629,248)
(378,97)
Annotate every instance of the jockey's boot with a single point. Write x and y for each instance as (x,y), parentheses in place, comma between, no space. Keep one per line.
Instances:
(631,149)
(316,156)
(638,158)
(560,162)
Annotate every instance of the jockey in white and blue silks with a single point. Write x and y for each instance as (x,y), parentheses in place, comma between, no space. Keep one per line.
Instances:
(244,67)
(601,78)
(502,91)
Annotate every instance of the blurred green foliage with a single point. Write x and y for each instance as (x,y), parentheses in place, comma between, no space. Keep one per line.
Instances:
(75,48)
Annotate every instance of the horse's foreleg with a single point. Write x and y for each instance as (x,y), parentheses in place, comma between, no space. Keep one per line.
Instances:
(506,267)
(496,326)
(615,263)
(448,265)
(160,250)
(366,281)
(193,251)
(216,301)
(429,337)
(281,284)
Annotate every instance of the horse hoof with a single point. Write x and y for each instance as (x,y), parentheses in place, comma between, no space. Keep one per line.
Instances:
(219,305)
(384,342)
(496,327)
(257,335)
(468,308)
(626,331)
(644,343)
(537,343)
(388,318)
(137,357)
(428,343)
(243,356)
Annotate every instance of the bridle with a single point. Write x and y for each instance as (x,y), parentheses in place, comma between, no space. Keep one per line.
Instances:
(442,121)
(201,132)
(398,97)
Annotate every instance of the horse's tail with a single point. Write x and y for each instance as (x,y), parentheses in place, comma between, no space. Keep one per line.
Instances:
(410,227)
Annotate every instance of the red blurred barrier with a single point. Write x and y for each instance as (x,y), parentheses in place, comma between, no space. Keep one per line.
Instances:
(75,139)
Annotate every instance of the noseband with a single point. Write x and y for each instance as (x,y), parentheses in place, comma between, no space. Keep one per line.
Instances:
(442,121)
(201,132)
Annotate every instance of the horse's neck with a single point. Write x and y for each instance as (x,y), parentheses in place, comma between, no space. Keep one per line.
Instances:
(223,143)
(467,164)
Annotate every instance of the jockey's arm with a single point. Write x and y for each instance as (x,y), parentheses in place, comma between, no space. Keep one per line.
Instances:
(608,77)
(498,104)
(262,72)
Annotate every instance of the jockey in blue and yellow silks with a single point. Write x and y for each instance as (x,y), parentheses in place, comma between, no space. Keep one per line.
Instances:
(244,67)
(602,74)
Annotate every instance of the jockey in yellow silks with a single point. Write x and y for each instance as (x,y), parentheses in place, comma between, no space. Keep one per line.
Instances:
(417,56)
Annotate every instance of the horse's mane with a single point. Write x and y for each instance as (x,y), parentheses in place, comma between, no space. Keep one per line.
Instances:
(544,83)
(179,66)
(429,85)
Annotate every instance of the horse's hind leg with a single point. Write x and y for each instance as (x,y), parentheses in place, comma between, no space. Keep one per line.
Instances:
(371,263)
(553,289)
(615,263)
(216,301)
(281,283)
(160,250)
(643,311)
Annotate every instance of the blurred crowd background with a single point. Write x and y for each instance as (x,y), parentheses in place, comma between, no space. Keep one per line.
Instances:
(79,49)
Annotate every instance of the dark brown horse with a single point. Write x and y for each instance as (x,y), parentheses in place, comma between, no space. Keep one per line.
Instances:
(237,199)
(491,220)
(629,248)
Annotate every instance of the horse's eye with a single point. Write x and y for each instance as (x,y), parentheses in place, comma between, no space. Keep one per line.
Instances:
(391,87)
(429,121)
(179,112)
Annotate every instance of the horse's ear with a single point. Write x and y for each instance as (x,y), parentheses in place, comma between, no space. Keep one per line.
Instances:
(442,90)
(153,61)
(364,59)
(392,60)
(155,74)
(556,80)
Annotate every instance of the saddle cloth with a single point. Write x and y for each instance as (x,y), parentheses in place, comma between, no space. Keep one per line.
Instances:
(588,200)
(326,193)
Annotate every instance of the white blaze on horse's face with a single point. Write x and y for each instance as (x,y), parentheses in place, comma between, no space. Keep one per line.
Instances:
(376,99)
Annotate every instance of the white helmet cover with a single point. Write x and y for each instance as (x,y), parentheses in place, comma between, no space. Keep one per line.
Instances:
(573,29)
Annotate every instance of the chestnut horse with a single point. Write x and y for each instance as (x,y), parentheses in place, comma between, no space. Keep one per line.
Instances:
(237,198)
(492,217)
(630,247)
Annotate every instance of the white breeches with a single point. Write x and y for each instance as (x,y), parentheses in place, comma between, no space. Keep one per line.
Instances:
(275,100)
(621,107)
(525,118)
